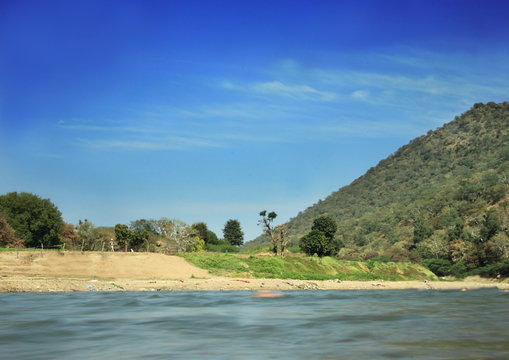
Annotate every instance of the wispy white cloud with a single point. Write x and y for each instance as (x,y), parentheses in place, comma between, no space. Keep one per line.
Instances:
(442,77)
(300,92)
(278,88)
(360,94)
(366,129)
(105,128)
(229,85)
(174,143)
(151,135)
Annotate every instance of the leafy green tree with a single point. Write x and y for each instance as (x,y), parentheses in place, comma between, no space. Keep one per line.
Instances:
(144,234)
(465,252)
(138,239)
(212,238)
(149,226)
(468,191)
(440,267)
(436,246)
(315,242)
(326,225)
(497,248)
(491,225)
(90,237)
(422,230)
(232,232)
(457,232)
(35,220)
(123,236)
(208,236)
(321,239)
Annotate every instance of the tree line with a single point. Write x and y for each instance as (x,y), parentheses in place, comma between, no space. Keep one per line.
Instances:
(26,220)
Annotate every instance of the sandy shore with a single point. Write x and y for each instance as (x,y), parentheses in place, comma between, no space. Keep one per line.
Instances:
(53,272)
(23,283)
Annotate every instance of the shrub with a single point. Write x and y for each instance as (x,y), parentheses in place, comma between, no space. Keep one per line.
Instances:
(493,270)
(320,240)
(317,243)
(440,267)
(369,254)
(222,248)
(459,269)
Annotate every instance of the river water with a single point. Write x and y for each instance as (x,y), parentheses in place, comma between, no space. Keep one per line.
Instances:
(347,324)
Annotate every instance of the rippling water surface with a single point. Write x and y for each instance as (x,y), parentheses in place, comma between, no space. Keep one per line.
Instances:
(233,325)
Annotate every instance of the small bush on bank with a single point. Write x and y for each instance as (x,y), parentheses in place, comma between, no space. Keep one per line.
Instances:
(222,248)
(500,268)
(444,267)
(440,267)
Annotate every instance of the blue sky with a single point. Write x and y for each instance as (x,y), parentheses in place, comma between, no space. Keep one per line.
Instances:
(216,110)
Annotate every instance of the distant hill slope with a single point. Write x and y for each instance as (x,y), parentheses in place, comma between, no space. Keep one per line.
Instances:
(448,179)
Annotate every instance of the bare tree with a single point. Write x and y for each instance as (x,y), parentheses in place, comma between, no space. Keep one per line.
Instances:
(178,233)
(277,234)
(282,238)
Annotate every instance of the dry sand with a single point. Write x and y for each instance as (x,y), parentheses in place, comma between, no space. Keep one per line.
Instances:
(73,271)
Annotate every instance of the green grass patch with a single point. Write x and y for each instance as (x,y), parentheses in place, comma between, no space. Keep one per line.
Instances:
(217,263)
(306,268)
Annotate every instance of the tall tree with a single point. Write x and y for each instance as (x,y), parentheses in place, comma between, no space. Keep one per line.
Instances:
(233,233)
(123,236)
(138,239)
(35,220)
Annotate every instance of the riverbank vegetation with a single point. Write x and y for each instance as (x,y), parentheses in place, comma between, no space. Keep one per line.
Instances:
(305,267)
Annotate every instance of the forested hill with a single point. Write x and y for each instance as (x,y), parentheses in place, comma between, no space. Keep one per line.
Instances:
(450,178)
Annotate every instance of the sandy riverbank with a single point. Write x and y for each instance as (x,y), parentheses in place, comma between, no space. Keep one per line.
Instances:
(73,271)
(23,283)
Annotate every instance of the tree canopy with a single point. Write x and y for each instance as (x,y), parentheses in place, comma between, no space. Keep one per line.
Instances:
(321,239)
(232,232)
(208,236)
(36,221)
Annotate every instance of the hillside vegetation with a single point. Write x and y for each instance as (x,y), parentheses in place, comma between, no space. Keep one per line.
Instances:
(442,196)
